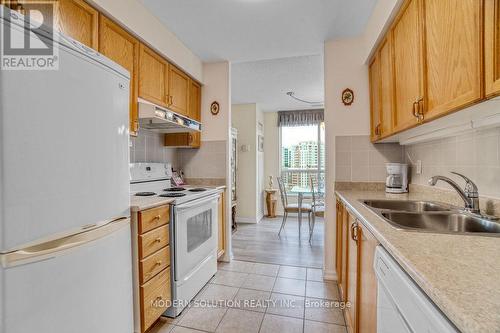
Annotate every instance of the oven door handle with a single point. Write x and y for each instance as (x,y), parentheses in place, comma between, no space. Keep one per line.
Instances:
(197,202)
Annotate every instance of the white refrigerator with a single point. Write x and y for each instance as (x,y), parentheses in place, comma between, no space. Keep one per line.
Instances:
(65,248)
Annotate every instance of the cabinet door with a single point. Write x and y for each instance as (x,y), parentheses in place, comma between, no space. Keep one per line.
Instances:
(367,300)
(492,47)
(153,76)
(345,254)
(453,46)
(194,101)
(183,140)
(352,275)
(339,243)
(408,64)
(178,91)
(222,226)
(375,84)
(386,88)
(78,20)
(118,45)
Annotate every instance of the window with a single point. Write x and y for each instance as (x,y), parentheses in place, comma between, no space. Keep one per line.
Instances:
(302,156)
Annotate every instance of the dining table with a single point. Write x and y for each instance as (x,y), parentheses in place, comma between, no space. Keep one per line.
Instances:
(301,192)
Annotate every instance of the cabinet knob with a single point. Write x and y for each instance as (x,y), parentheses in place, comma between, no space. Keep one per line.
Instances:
(157,217)
(158,240)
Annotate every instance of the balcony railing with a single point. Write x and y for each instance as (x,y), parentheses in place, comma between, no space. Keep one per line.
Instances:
(301,178)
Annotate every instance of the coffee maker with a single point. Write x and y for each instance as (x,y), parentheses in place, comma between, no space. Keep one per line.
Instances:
(397,178)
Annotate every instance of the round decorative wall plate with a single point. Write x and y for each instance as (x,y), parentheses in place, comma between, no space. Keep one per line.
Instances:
(215,108)
(347,96)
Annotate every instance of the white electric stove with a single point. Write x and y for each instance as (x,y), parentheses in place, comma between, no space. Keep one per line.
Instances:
(193,229)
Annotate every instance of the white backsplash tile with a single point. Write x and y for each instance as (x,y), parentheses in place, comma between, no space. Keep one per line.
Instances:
(474,154)
(358,160)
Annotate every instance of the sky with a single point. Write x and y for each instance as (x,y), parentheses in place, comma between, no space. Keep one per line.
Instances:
(293,135)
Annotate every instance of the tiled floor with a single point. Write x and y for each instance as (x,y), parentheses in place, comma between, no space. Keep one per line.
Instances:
(262,298)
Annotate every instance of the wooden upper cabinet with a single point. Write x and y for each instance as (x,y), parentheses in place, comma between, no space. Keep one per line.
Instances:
(194,101)
(453,50)
(78,20)
(386,88)
(367,298)
(183,140)
(121,47)
(178,91)
(74,18)
(153,77)
(381,92)
(408,65)
(375,106)
(351,315)
(492,47)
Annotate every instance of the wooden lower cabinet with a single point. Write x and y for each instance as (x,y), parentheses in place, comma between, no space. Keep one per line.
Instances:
(344,254)
(222,225)
(357,280)
(351,316)
(339,234)
(367,281)
(151,261)
(183,140)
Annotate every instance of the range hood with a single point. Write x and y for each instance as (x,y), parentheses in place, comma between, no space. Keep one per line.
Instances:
(162,120)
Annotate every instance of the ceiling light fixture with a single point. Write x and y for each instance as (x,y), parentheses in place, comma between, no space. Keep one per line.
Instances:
(292,95)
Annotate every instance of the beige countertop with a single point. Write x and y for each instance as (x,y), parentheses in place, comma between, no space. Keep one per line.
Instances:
(141,203)
(461,274)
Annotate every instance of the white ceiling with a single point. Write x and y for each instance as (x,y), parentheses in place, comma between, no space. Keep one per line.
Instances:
(266,82)
(275,46)
(249,30)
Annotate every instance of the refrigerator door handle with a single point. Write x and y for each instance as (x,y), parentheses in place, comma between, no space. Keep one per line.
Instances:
(53,248)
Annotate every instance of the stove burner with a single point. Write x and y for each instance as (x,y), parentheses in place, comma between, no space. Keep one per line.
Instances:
(197,189)
(172,195)
(145,194)
(174,189)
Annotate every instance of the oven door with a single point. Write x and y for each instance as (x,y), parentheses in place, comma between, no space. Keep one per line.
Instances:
(195,234)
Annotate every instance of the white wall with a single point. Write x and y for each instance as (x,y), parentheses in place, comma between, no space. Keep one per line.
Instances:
(344,68)
(250,181)
(272,153)
(133,15)
(217,87)
(244,120)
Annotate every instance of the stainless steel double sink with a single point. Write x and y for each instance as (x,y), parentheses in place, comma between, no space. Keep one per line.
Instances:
(429,216)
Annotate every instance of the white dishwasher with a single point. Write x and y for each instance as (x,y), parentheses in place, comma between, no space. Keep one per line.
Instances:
(401,305)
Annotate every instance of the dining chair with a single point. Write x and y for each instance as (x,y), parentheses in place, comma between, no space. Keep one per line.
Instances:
(317,208)
(292,207)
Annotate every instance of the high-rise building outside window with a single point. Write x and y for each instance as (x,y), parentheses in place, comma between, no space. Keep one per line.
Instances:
(302,156)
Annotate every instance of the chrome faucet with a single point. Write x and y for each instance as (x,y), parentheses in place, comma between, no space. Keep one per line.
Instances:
(469,194)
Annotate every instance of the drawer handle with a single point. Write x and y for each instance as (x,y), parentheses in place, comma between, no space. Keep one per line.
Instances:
(157,217)
(158,240)
(158,263)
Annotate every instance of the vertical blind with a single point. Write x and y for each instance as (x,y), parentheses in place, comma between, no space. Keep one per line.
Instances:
(300,118)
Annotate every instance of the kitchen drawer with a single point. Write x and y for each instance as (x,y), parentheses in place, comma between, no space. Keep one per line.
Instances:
(154,264)
(154,295)
(153,218)
(152,241)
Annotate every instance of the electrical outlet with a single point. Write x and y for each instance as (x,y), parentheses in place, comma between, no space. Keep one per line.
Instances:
(419,167)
